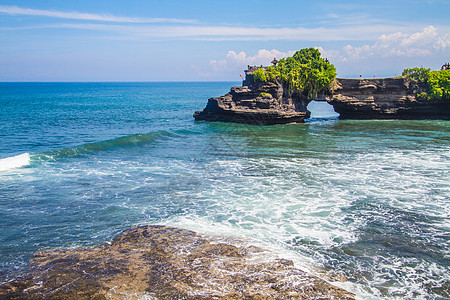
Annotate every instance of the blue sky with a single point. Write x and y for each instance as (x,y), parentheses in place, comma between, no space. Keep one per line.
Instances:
(156,40)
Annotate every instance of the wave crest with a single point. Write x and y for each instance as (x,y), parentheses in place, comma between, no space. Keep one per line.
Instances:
(14,162)
(112,144)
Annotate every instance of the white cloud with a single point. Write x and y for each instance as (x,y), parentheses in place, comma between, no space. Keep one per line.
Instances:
(239,61)
(423,43)
(388,54)
(341,29)
(232,33)
(220,33)
(327,53)
(15,10)
(391,53)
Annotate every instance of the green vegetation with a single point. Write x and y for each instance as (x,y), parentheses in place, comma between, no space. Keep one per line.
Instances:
(263,94)
(437,82)
(417,74)
(422,96)
(305,72)
(259,75)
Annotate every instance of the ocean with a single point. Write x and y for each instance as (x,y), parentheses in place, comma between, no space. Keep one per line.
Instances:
(362,204)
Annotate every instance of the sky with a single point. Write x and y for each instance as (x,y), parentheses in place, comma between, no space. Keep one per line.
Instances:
(174,40)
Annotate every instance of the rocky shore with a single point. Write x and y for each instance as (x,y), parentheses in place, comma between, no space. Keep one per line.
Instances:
(271,102)
(160,262)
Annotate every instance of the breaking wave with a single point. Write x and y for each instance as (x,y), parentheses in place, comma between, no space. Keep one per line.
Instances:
(14,162)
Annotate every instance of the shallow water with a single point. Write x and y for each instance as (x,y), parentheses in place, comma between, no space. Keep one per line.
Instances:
(367,200)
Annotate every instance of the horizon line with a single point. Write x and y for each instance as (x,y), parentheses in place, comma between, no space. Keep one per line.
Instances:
(179,81)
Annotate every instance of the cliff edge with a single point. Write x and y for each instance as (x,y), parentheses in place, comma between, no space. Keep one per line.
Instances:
(386,98)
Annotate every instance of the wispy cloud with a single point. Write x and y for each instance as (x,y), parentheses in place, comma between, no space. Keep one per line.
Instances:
(129,28)
(74,15)
(229,33)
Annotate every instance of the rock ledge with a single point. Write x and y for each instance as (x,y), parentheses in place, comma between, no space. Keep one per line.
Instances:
(160,262)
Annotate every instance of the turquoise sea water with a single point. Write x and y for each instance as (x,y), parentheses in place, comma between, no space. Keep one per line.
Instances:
(364,200)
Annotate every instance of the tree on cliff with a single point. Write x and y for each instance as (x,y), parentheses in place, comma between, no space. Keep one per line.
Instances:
(437,83)
(305,72)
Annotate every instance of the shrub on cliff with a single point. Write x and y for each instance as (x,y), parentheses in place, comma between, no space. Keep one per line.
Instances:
(417,74)
(305,72)
(259,75)
(437,82)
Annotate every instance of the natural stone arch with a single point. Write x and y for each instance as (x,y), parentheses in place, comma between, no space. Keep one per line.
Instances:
(320,108)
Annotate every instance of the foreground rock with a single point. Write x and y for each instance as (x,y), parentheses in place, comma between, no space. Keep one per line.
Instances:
(159,262)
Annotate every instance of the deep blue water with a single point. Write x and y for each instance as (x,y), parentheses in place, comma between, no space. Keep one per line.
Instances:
(364,200)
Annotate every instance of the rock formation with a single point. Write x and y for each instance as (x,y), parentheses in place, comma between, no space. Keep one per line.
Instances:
(387,98)
(256,102)
(272,102)
(159,262)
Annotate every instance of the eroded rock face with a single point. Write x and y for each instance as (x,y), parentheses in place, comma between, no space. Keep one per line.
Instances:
(159,262)
(272,103)
(387,98)
(256,103)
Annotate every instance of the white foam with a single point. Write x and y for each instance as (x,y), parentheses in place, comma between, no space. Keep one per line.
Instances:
(14,162)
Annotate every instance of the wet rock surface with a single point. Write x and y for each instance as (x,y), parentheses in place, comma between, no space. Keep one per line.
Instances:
(160,262)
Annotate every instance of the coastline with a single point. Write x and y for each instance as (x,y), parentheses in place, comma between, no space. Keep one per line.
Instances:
(269,102)
(285,188)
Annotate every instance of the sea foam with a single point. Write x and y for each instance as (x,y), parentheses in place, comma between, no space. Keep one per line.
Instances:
(14,162)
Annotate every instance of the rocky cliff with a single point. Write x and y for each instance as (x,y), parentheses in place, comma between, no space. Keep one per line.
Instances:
(387,98)
(271,102)
(256,102)
(160,262)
